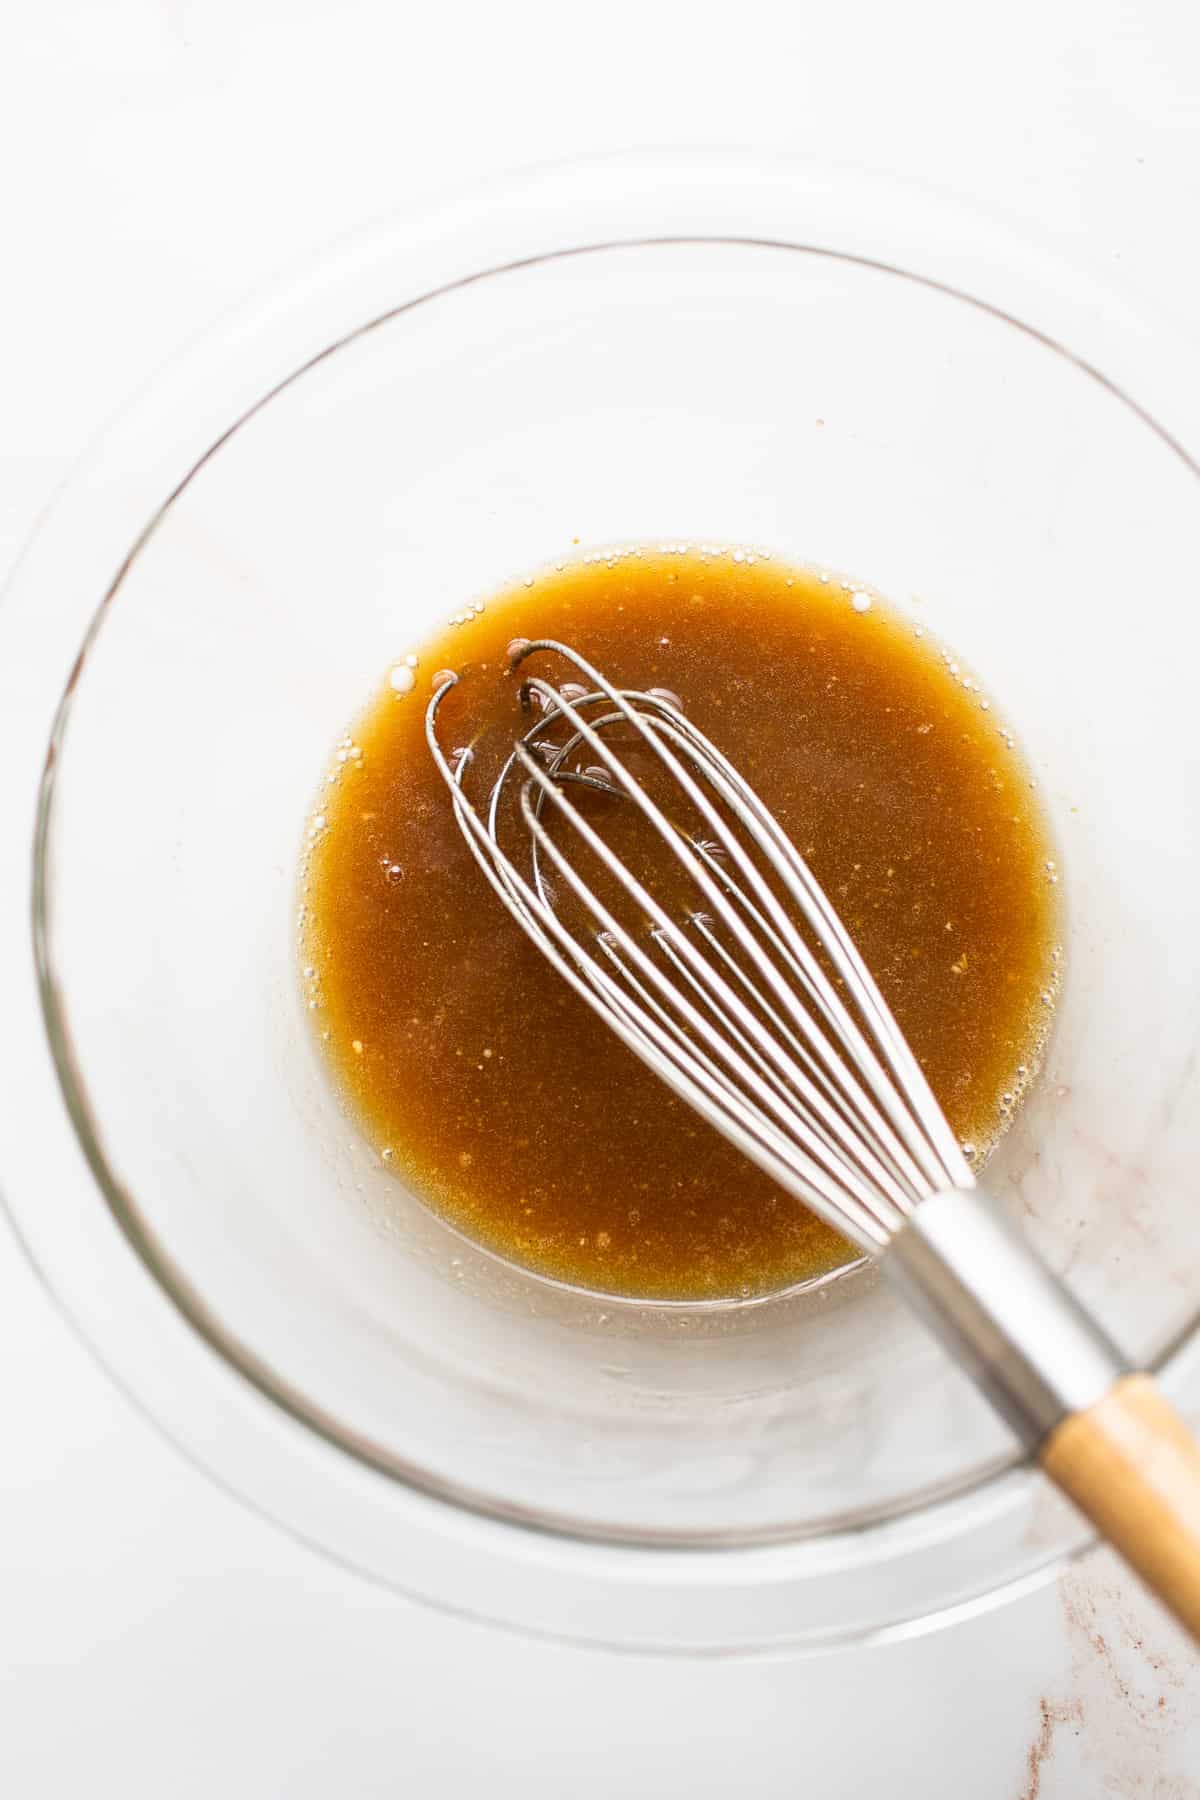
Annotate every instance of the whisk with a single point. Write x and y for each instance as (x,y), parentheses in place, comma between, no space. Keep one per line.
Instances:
(751,1001)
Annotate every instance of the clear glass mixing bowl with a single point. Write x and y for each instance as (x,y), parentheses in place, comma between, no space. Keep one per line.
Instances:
(635,348)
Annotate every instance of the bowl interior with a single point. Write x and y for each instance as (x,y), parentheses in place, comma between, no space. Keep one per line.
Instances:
(839,412)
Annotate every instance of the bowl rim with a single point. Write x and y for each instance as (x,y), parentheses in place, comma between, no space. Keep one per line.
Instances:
(531,202)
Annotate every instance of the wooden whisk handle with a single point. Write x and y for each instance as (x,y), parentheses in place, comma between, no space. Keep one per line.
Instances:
(1104,1435)
(1132,1467)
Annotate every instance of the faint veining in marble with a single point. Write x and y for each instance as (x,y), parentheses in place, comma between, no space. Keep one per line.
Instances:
(1122,1724)
(1054,1715)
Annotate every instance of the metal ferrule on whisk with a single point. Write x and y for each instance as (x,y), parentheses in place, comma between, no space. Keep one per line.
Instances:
(1030,1346)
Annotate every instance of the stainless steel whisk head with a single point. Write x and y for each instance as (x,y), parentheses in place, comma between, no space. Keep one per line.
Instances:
(749,999)
(741,988)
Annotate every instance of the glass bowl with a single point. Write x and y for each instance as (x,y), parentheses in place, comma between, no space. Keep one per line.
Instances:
(641,347)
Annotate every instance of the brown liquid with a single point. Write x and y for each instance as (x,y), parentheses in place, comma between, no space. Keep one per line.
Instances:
(492,1089)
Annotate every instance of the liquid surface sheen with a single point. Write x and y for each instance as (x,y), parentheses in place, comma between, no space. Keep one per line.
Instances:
(488,1086)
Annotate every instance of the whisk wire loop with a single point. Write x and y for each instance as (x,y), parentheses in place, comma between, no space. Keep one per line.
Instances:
(752,1002)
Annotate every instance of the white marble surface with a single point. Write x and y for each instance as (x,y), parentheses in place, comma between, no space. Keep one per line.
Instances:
(158,157)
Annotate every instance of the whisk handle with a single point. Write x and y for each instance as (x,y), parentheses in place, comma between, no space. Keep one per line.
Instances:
(1132,1467)
(1102,1433)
